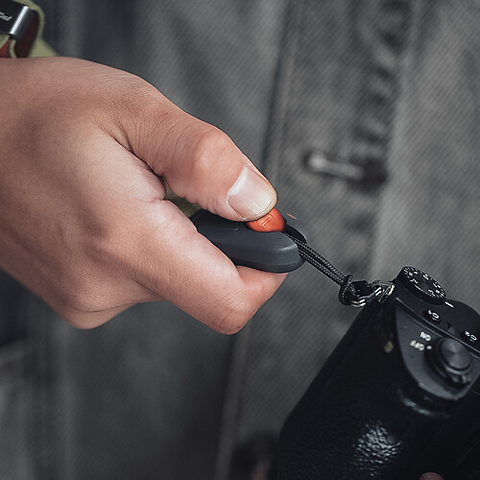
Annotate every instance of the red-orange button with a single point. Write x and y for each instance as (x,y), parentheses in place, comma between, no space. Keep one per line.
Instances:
(271,222)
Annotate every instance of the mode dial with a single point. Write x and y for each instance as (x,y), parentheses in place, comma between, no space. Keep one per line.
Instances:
(452,361)
(422,285)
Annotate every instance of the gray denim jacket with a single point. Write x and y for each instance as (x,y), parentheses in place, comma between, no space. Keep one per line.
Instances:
(365,115)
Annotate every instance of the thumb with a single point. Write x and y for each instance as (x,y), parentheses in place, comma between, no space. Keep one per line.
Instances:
(201,163)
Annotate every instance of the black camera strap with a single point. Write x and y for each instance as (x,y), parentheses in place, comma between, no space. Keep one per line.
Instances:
(245,243)
(355,293)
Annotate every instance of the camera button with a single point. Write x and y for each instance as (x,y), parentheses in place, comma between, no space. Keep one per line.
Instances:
(271,222)
(470,337)
(432,316)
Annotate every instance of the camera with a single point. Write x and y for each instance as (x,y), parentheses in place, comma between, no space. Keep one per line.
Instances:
(398,397)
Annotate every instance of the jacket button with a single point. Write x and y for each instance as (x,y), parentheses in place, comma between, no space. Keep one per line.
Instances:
(367,173)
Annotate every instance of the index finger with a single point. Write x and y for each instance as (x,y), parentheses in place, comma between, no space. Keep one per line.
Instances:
(177,263)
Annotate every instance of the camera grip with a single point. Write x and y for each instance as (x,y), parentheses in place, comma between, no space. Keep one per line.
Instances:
(353,422)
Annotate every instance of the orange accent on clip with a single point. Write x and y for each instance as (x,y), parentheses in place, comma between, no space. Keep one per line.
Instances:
(271,222)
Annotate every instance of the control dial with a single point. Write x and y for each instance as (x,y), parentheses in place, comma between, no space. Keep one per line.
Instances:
(422,285)
(452,361)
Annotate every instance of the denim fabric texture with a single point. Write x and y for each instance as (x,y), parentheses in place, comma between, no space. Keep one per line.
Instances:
(386,93)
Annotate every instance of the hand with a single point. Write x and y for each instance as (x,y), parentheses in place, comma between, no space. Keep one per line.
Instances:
(430,476)
(87,152)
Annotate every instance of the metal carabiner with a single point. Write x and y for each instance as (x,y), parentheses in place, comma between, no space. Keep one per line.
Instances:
(367,292)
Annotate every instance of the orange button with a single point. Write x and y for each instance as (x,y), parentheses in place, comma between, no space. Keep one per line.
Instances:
(271,222)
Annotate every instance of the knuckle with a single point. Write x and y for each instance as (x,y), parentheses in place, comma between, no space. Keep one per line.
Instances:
(236,316)
(128,89)
(143,99)
(209,146)
(83,320)
(141,109)
(81,296)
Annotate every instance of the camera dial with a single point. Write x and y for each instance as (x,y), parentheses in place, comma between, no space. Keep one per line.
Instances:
(422,285)
(452,361)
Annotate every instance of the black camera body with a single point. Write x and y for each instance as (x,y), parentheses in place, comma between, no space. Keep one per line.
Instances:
(399,396)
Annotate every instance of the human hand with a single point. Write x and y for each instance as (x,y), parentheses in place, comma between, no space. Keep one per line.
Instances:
(87,152)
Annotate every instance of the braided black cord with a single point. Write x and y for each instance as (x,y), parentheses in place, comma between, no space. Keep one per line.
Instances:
(322,264)
(345,287)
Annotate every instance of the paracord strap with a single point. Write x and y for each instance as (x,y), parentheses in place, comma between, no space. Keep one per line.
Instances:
(347,289)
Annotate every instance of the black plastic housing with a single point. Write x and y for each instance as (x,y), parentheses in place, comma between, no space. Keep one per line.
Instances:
(390,403)
(266,251)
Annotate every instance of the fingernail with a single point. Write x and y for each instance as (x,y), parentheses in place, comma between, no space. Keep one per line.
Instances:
(251,196)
